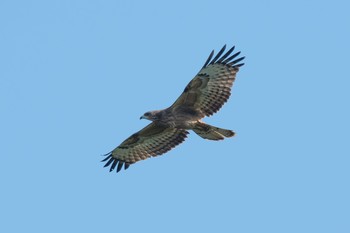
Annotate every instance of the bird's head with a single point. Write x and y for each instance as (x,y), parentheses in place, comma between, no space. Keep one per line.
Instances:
(152,116)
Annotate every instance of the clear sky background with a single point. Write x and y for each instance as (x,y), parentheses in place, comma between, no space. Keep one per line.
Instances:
(76,76)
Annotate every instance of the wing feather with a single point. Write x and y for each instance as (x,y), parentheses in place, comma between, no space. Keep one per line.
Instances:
(226,54)
(218,55)
(209,58)
(210,89)
(153,140)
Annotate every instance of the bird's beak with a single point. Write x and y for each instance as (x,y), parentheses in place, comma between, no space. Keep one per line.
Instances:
(142,117)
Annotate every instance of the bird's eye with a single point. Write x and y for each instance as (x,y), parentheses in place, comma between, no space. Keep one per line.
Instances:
(147,114)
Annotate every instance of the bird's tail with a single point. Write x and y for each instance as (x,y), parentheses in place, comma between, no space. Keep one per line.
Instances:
(211,132)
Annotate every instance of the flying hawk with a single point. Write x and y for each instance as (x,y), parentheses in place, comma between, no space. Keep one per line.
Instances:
(203,96)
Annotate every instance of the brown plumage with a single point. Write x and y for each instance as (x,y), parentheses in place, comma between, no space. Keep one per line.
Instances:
(203,96)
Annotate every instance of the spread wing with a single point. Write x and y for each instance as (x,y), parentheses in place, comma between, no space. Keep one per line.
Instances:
(211,87)
(153,140)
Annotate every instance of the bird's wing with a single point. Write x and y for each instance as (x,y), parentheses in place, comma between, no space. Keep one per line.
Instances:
(153,140)
(211,87)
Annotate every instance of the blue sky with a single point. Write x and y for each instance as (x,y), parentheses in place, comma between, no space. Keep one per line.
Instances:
(76,76)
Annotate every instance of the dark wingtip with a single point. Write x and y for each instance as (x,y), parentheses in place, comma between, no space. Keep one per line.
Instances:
(234,63)
(113,162)
(239,65)
(208,59)
(218,55)
(224,59)
(109,162)
(221,60)
(120,165)
(108,156)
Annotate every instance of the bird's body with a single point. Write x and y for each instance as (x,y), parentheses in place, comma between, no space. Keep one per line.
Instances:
(182,118)
(203,96)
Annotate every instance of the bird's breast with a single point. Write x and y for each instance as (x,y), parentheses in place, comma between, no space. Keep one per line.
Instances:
(178,118)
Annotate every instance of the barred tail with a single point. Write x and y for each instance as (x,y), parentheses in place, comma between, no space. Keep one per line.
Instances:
(211,132)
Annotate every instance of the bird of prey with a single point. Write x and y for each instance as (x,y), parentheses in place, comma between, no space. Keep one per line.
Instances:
(204,95)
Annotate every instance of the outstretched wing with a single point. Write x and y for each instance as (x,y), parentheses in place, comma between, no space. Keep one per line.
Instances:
(211,87)
(153,140)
